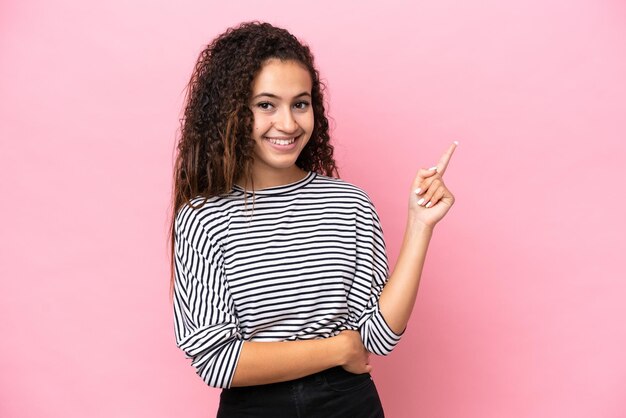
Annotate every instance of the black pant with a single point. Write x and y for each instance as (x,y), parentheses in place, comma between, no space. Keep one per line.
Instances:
(328,394)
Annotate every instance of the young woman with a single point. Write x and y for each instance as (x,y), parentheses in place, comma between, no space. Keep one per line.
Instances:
(279,275)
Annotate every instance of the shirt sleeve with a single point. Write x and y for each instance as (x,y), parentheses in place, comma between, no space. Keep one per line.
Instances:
(206,328)
(371,275)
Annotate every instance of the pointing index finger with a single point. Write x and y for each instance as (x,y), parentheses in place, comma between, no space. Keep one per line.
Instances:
(442,165)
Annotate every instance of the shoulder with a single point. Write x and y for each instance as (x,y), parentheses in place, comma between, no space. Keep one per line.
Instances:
(355,197)
(336,185)
(202,213)
(341,190)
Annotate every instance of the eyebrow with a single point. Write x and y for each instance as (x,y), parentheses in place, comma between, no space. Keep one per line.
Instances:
(304,93)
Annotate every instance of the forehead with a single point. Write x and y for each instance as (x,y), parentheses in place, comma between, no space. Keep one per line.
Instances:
(282,78)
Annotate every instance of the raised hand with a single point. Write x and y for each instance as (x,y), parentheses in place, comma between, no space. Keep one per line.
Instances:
(430,199)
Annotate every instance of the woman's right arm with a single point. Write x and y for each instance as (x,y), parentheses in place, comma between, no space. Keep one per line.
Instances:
(270,362)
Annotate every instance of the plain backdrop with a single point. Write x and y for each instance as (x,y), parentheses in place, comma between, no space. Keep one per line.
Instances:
(521,307)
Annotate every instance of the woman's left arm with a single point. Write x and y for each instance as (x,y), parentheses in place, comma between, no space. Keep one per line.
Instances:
(429,202)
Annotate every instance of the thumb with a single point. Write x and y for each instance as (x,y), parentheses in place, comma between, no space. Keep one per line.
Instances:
(427,172)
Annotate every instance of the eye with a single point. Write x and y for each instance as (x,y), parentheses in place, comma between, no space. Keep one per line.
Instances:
(302,105)
(265,105)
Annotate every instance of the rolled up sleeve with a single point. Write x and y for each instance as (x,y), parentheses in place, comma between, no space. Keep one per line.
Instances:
(371,275)
(205,324)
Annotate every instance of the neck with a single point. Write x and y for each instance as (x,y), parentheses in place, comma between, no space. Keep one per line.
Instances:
(264,178)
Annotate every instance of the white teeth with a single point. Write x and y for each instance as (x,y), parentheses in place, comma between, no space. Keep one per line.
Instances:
(281,141)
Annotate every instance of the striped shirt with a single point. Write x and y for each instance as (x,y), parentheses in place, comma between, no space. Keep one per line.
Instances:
(300,261)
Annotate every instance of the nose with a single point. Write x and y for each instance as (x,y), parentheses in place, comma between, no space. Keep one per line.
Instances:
(285,121)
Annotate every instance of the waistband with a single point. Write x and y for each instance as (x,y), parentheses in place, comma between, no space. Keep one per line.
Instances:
(328,374)
(337,371)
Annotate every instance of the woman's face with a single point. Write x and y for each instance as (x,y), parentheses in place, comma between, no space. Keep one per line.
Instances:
(283,117)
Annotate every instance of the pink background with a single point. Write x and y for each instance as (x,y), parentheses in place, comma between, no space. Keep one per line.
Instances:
(522,305)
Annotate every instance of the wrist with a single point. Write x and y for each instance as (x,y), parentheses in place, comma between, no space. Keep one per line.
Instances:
(338,349)
(414,226)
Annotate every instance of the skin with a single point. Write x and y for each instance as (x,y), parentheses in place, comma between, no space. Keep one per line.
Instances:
(398,296)
(281,107)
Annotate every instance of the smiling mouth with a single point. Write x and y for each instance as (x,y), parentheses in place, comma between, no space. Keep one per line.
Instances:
(281,141)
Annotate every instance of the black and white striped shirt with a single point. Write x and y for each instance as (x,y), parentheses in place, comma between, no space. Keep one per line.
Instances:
(302,261)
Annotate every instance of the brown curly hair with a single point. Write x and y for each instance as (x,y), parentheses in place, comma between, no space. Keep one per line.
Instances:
(215,145)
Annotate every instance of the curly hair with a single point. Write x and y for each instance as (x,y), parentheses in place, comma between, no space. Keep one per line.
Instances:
(215,147)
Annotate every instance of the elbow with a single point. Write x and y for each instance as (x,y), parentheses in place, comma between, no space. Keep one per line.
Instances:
(381,344)
(378,337)
(381,348)
(216,365)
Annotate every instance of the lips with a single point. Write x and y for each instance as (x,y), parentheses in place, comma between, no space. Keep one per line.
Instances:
(282,141)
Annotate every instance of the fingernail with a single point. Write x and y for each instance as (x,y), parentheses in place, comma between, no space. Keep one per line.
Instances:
(456,142)
(428,204)
(433,168)
(418,190)
(419,202)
